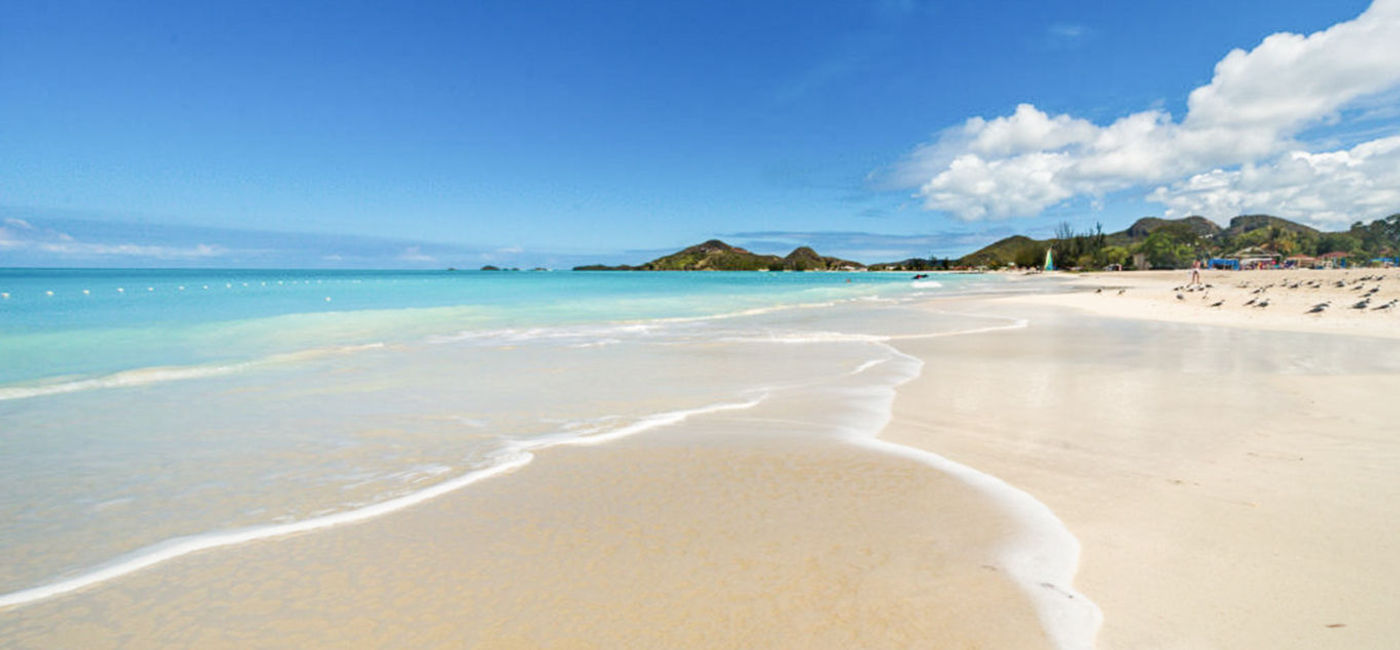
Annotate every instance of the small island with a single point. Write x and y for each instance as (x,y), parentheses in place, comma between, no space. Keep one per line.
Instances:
(715,255)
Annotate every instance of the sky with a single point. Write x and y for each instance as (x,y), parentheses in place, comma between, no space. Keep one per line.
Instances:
(435,134)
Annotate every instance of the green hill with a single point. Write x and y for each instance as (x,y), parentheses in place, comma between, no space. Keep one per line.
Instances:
(1016,249)
(1247,223)
(715,255)
(1172,243)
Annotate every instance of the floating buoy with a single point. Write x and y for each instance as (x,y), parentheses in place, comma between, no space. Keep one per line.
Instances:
(228,285)
(150,288)
(121,290)
(5,296)
(48,293)
(87,292)
(182,287)
(206,286)
(328,298)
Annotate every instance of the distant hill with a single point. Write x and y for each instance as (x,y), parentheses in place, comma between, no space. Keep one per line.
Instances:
(1249,222)
(1145,226)
(1024,251)
(715,255)
(806,259)
(1150,241)
(1016,249)
(1189,237)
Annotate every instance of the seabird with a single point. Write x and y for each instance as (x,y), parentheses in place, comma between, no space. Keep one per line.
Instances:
(1389,305)
(1217,303)
(1251,301)
(1320,307)
(1180,297)
(1365,302)
(1263,303)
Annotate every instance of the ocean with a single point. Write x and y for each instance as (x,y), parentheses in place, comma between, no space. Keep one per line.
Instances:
(145,414)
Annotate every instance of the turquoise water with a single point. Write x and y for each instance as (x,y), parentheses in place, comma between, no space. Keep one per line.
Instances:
(83,322)
(147,413)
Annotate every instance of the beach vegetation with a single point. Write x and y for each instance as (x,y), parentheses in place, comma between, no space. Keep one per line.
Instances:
(1176,243)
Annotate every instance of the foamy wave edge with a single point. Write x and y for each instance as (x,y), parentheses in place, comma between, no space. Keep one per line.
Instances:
(512,458)
(158,374)
(1043,559)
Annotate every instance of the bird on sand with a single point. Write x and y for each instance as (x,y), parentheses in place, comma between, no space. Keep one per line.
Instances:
(1251,301)
(1320,307)
(1365,302)
(1262,303)
(1120,291)
(1180,297)
(1217,303)
(1387,306)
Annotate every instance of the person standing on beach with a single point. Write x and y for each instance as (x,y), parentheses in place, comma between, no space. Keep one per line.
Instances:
(1195,273)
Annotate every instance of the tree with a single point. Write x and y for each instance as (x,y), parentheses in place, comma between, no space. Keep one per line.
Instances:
(1171,247)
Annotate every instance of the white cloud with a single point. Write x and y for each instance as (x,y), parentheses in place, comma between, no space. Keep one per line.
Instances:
(88,249)
(1332,188)
(18,234)
(1250,113)
(415,254)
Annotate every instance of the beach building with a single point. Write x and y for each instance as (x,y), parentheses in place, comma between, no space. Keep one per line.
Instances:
(1224,263)
(1257,258)
(1300,262)
(1335,259)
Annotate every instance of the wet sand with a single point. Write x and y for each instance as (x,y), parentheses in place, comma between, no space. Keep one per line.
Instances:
(1231,486)
(698,540)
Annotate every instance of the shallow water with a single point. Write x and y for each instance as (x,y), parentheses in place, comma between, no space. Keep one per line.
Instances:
(141,421)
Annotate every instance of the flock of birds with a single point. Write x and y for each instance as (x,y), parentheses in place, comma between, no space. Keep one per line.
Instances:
(1366,288)
(1260,297)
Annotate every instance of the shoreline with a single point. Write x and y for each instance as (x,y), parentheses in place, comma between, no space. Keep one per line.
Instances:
(1098,483)
(1006,563)
(1229,485)
(1152,295)
(1034,551)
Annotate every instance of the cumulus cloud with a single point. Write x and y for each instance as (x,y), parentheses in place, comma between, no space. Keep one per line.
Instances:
(1324,188)
(19,234)
(415,254)
(1248,117)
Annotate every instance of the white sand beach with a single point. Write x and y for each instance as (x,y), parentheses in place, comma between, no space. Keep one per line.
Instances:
(1231,484)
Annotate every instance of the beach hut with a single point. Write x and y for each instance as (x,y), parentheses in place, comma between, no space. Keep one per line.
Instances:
(1300,262)
(1257,258)
(1334,259)
(1222,263)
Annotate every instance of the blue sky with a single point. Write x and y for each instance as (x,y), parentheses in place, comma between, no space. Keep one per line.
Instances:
(385,135)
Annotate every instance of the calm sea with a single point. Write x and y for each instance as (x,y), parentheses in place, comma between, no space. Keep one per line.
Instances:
(148,413)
